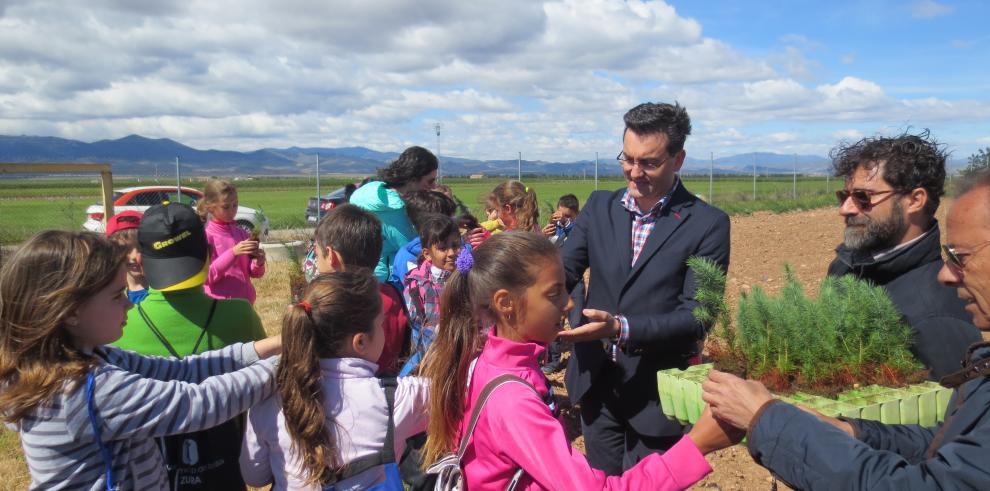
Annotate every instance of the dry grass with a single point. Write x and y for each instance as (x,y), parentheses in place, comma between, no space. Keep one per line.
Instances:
(12,465)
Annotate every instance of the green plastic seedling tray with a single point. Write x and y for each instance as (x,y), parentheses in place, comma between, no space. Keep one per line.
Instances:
(923,404)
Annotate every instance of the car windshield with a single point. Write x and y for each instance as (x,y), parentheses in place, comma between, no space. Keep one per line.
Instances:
(336,194)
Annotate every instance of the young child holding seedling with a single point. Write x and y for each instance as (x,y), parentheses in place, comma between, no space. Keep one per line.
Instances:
(236,255)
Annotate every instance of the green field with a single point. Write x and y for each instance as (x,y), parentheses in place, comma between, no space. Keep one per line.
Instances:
(30,205)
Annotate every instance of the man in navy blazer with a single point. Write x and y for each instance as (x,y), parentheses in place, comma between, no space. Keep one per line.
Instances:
(641,294)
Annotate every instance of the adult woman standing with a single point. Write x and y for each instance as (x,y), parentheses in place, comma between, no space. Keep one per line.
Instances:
(414,170)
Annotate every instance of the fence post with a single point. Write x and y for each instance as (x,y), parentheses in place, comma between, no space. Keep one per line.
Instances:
(596,171)
(754,176)
(319,202)
(711,173)
(106,181)
(794,192)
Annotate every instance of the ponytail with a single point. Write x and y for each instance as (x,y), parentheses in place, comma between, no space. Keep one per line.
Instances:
(528,211)
(522,200)
(301,392)
(336,307)
(507,260)
(458,340)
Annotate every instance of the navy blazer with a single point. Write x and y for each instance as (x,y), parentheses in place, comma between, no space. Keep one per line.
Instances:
(656,295)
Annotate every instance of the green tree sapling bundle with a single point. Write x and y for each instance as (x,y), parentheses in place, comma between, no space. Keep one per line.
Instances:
(850,334)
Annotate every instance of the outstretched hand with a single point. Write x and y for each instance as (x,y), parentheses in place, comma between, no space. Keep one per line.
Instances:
(602,325)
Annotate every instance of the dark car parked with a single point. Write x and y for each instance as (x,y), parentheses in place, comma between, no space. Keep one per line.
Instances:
(326,203)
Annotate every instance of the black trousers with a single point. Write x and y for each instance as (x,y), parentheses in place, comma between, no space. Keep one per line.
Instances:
(611,444)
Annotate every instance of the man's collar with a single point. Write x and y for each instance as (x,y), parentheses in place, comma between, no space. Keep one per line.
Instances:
(877,256)
(629,203)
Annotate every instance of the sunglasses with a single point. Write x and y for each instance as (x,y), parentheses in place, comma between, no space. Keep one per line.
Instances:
(955,259)
(862,198)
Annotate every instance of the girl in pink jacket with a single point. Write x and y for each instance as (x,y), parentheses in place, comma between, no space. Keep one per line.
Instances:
(235,257)
(514,283)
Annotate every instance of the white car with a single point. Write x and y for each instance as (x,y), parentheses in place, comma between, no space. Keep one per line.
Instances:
(141,198)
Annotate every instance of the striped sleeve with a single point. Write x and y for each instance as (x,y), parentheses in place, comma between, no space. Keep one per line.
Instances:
(130,406)
(193,369)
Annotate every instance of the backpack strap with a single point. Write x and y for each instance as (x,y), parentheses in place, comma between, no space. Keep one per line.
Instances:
(486,392)
(387,454)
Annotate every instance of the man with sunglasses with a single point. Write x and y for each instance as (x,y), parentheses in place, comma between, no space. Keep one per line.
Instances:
(640,298)
(892,190)
(810,451)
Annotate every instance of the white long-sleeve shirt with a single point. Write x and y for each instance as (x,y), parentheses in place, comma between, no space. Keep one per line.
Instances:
(356,416)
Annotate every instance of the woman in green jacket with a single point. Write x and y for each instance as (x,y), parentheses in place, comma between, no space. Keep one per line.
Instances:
(414,170)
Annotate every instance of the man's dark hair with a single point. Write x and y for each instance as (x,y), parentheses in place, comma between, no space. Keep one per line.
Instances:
(570,202)
(420,203)
(909,162)
(436,229)
(412,165)
(354,233)
(652,118)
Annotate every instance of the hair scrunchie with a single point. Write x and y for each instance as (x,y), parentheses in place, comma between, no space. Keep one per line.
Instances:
(306,306)
(464,261)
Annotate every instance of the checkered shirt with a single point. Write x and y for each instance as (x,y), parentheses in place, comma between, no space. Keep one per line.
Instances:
(642,227)
(643,223)
(422,296)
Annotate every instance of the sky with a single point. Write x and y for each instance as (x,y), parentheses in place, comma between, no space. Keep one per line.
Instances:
(549,79)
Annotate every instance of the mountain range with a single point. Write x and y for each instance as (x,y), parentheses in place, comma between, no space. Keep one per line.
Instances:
(138,155)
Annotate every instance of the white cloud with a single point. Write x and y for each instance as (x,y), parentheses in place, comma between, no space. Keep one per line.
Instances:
(551,78)
(927,9)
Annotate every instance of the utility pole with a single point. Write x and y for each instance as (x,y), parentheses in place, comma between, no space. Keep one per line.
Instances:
(178,181)
(711,174)
(754,176)
(437,127)
(519,167)
(319,201)
(596,171)
(795,177)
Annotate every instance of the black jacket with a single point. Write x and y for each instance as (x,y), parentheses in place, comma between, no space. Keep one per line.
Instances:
(656,295)
(812,455)
(942,329)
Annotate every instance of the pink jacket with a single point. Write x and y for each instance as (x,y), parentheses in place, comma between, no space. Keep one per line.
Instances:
(229,275)
(516,429)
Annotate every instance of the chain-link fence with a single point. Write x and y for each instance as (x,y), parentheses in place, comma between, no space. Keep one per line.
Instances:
(35,197)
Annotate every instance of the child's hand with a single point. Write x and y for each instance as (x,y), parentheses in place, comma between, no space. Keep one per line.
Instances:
(245,247)
(710,434)
(476,237)
(550,229)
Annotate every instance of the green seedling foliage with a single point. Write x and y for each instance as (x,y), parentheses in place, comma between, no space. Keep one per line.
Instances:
(712,311)
(851,328)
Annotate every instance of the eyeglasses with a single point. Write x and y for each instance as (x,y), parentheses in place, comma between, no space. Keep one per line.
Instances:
(863,198)
(955,259)
(645,164)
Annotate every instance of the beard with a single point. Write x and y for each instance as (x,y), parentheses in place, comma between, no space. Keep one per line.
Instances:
(867,234)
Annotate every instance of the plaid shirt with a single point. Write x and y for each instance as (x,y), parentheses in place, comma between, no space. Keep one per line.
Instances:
(642,227)
(422,296)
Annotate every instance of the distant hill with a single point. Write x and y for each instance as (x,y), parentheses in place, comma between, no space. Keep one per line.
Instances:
(138,155)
